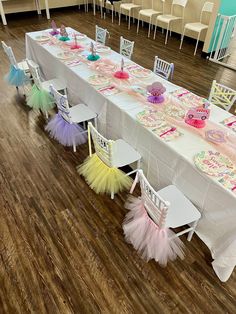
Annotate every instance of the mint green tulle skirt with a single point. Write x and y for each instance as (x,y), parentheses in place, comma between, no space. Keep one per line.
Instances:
(40,99)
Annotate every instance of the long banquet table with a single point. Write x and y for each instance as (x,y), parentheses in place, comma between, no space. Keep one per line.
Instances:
(163,163)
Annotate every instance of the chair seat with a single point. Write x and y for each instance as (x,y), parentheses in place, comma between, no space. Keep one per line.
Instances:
(166,18)
(181,211)
(80,113)
(129,6)
(197,27)
(124,154)
(57,84)
(149,12)
(24,66)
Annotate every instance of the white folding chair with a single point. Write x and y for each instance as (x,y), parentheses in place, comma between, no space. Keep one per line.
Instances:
(163,68)
(130,7)
(76,114)
(151,14)
(101,35)
(168,207)
(126,47)
(222,96)
(113,153)
(198,27)
(170,18)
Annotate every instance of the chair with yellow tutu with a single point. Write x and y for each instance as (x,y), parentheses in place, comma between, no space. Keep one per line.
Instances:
(101,169)
(39,97)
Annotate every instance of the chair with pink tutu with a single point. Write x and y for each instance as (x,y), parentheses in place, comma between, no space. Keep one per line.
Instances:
(147,225)
(64,126)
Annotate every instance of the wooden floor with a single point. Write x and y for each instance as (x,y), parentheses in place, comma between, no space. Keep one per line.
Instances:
(61,246)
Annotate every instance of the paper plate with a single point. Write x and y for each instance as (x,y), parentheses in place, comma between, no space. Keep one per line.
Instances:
(150,118)
(42,38)
(65,55)
(213,163)
(140,72)
(174,111)
(139,89)
(81,36)
(102,49)
(98,80)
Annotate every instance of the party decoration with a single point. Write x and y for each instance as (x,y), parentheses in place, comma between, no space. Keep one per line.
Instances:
(16,77)
(93,56)
(54,30)
(212,163)
(197,117)
(230,123)
(151,241)
(40,99)
(75,44)
(67,134)
(121,74)
(101,178)
(63,33)
(174,111)
(156,90)
(150,118)
(215,136)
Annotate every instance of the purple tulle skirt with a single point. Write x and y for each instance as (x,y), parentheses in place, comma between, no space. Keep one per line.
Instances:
(65,133)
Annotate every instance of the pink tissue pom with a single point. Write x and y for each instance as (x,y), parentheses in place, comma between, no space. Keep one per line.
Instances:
(156,89)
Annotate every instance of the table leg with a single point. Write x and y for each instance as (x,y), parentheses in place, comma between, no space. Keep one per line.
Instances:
(47,9)
(4,21)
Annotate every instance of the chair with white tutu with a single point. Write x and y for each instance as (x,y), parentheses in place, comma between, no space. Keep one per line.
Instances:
(101,35)
(163,68)
(169,19)
(39,97)
(126,47)
(222,96)
(18,75)
(101,169)
(151,217)
(131,7)
(64,126)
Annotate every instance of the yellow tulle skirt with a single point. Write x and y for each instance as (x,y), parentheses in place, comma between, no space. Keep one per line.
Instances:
(101,178)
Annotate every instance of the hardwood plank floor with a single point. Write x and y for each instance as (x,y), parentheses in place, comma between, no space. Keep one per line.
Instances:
(61,246)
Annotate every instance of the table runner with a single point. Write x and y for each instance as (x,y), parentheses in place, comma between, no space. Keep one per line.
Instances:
(163,163)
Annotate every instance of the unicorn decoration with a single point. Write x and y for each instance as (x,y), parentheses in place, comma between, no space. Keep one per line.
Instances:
(63,33)
(54,29)
(93,56)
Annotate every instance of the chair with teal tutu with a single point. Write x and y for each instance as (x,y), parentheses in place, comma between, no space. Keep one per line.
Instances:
(39,96)
(64,126)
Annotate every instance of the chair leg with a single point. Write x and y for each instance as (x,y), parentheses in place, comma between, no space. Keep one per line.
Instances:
(101,11)
(46,115)
(94,7)
(138,24)
(190,234)
(195,51)
(74,148)
(112,195)
(154,36)
(119,16)
(129,19)
(149,28)
(167,32)
(182,39)
(112,14)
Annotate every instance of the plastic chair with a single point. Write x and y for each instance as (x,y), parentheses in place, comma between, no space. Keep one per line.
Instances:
(150,13)
(147,225)
(126,47)
(101,35)
(106,4)
(170,18)
(198,27)
(101,169)
(163,68)
(64,125)
(130,7)
(222,96)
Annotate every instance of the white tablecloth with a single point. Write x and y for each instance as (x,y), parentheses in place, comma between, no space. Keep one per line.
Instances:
(163,163)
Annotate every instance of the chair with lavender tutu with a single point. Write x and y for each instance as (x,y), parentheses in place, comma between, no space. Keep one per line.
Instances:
(150,217)
(64,126)
(163,68)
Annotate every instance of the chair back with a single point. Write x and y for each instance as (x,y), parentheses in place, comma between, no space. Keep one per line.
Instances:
(163,68)
(101,35)
(155,206)
(34,71)
(180,3)
(159,5)
(222,96)
(62,104)
(102,146)
(207,8)
(8,51)
(126,47)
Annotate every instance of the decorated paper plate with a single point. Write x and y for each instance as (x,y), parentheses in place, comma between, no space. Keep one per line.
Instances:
(109,90)
(167,132)
(98,80)
(42,38)
(80,36)
(150,118)
(230,123)
(104,65)
(139,89)
(188,99)
(140,72)
(174,111)
(212,163)
(102,49)
(65,55)
(229,181)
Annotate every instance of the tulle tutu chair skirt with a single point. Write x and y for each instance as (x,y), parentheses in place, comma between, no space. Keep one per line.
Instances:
(16,77)
(101,178)
(40,99)
(65,133)
(147,238)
